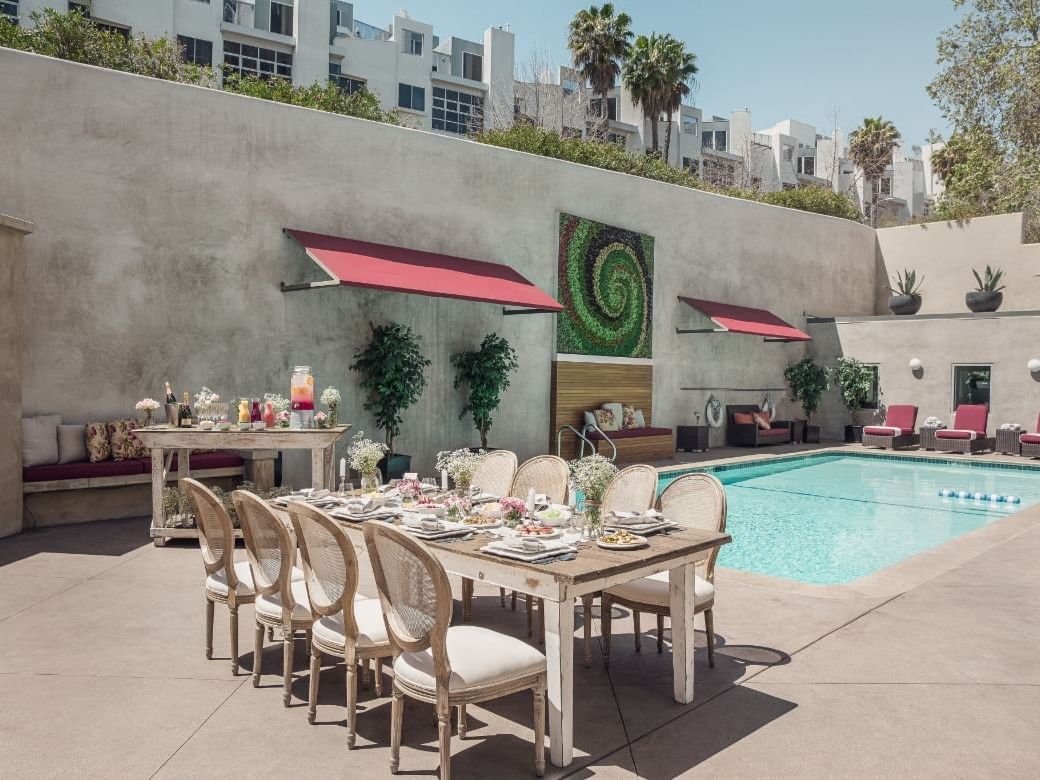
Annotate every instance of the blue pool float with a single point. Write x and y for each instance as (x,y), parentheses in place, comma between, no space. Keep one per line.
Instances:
(992,497)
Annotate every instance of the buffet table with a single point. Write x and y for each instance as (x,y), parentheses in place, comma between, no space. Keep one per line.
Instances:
(163,441)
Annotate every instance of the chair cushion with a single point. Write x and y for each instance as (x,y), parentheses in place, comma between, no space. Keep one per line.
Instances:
(216,583)
(653,590)
(1029,438)
(628,418)
(887,430)
(368,613)
(82,470)
(478,657)
(774,432)
(743,418)
(762,420)
(123,441)
(954,433)
(633,433)
(95,436)
(271,606)
(40,440)
(605,420)
(901,416)
(971,417)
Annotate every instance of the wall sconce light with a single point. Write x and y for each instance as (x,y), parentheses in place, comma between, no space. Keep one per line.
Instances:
(1033,366)
(917,365)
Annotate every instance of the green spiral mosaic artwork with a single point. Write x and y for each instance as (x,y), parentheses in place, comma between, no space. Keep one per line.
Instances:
(606,287)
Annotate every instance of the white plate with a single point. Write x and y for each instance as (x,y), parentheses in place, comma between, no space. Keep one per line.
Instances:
(556,534)
(484,526)
(641,540)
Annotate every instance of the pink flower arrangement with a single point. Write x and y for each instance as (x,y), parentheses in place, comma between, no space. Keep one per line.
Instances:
(513,508)
(282,418)
(409,488)
(456,507)
(321,419)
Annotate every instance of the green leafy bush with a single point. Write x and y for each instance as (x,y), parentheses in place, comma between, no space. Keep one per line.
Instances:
(815,199)
(486,371)
(855,382)
(809,381)
(324,96)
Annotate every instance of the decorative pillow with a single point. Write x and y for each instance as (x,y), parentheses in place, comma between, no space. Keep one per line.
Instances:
(616,410)
(40,440)
(640,420)
(628,418)
(605,420)
(590,418)
(125,445)
(762,420)
(95,436)
(71,445)
(743,418)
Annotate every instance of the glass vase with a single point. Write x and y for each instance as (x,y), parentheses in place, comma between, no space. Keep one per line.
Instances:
(593,520)
(462,486)
(370,482)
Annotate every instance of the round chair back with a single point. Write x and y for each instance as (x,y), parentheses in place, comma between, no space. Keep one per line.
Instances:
(330,565)
(631,490)
(495,474)
(216,537)
(696,501)
(546,474)
(269,546)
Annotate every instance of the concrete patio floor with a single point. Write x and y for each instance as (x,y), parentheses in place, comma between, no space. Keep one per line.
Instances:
(102,673)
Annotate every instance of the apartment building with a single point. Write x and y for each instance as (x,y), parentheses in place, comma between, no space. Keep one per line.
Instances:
(447,85)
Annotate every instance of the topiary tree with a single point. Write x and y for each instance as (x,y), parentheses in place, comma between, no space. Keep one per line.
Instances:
(486,371)
(855,382)
(809,381)
(392,369)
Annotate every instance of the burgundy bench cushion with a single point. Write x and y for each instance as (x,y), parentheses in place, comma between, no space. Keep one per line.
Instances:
(627,433)
(1029,438)
(199,461)
(954,433)
(970,417)
(83,470)
(887,430)
(901,416)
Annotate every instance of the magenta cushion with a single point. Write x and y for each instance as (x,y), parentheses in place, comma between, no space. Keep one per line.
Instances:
(628,433)
(971,417)
(954,433)
(83,470)
(902,416)
(200,461)
(887,430)
(1030,438)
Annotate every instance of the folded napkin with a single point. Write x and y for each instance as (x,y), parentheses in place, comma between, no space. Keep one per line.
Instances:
(1011,427)
(360,506)
(933,422)
(423,522)
(637,518)
(532,544)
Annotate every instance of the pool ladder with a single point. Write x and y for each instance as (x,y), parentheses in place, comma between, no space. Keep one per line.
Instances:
(583,436)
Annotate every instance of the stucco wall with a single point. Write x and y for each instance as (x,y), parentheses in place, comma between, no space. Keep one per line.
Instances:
(945,253)
(159,252)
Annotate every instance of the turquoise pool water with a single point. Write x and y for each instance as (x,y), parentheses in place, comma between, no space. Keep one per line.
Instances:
(829,519)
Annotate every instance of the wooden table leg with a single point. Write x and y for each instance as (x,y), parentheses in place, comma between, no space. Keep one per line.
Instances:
(158,483)
(680,586)
(317,469)
(559,656)
(183,464)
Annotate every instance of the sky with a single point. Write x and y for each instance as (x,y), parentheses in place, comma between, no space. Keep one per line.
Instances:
(800,59)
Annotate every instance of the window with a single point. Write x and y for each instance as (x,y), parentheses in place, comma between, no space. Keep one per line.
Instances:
(241,12)
(411,97)
(692,164)
(457,112)
(196,50)
(247,60)
(595,103)
(788,152)
(347,84)
(873,397)
(472,66)
(9,8)
(570,86)
(885,186)
(413,42)
(714,139)
(84,9)
(971,385)
(281,18)
(807,166)
(689,124)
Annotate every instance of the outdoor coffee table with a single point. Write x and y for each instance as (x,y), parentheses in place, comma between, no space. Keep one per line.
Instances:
(1007,441)
(559,584)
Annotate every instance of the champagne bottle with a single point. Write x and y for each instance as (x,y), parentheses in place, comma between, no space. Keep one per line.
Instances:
(184,417)
(170,397)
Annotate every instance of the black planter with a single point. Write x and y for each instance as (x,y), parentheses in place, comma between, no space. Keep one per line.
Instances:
(853,433)
(984,301)
(904,304)
(812,434)
(397,466)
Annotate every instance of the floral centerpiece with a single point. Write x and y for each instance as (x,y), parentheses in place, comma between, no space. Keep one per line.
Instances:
(512,510)
(461,465)
(331,398)
(409,488)
(148,406)
(457,507)
(591,475)
(364,456)
(321,420)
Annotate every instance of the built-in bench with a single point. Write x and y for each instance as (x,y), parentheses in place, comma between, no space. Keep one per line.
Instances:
(635,444)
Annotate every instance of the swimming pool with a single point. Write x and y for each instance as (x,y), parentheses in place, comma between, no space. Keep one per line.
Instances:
(827,519)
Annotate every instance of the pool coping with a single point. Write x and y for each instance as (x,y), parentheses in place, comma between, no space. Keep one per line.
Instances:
(906,574)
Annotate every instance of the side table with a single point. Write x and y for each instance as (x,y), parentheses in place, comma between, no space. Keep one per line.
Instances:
(928,438)
(797,429)
(692,438)
(1007,441)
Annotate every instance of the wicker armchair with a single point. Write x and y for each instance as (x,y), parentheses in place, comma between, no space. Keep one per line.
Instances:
(694,501)
(347,625)
(227,582)
(968,434)
(495,476)
(1030,443)
(281,602)
(898,430)
(445,666)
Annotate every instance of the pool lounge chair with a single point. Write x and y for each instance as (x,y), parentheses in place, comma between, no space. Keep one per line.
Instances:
(898,430)
(968,434)
(1031,442)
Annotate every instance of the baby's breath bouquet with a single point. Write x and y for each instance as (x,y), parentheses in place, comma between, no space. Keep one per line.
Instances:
(591,475)
(461,465)
(331,397)
(364,456)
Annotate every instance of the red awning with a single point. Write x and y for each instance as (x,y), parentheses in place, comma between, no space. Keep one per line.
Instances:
(382,267)
(743,319)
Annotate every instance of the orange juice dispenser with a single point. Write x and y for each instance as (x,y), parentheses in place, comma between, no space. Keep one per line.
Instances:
(301,398)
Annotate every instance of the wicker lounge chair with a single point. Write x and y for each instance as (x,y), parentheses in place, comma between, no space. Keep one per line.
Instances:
(898,430)
(968,434)
(447,666)
(1031,442)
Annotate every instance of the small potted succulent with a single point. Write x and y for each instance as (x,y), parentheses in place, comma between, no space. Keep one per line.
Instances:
(987,296)
(906,293)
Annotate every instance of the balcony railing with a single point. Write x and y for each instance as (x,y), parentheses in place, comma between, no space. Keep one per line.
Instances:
(370,32)
(761,140)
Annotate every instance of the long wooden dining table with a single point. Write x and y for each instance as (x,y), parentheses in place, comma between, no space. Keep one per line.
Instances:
(559,583)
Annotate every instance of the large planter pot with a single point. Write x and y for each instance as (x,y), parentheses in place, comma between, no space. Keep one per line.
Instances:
(984,301)
(904,304)
(395,466)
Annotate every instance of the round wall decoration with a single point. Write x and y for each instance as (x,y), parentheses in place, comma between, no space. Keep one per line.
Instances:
(769,405)
(713,411)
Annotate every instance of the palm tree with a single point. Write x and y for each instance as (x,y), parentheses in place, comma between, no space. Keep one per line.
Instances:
(644,76)
(599,39)
(680,68)
(870,148)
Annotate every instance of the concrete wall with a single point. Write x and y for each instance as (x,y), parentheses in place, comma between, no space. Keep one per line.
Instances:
(159,210)
(945,253)
(12,297)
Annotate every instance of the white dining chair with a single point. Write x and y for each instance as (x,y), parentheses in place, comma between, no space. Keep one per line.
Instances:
(494,476)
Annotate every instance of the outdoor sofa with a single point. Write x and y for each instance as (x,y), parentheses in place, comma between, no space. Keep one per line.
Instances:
(898,431)
(743,431)
(968,434)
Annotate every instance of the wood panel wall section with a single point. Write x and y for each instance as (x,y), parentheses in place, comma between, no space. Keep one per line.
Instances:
(579,387)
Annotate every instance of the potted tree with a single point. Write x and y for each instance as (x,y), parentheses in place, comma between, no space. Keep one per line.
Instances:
(987,296)
(486,371)
(809,381)
(906,293)
(856,383)
(392,369)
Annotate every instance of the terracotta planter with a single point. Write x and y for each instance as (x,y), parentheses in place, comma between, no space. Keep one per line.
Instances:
(984,301)
(904,304)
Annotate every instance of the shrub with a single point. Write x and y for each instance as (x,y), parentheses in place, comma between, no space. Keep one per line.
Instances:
(324,96)
(815,199)
(808,380)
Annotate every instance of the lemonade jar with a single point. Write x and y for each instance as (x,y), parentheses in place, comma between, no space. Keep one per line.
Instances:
(301,398)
